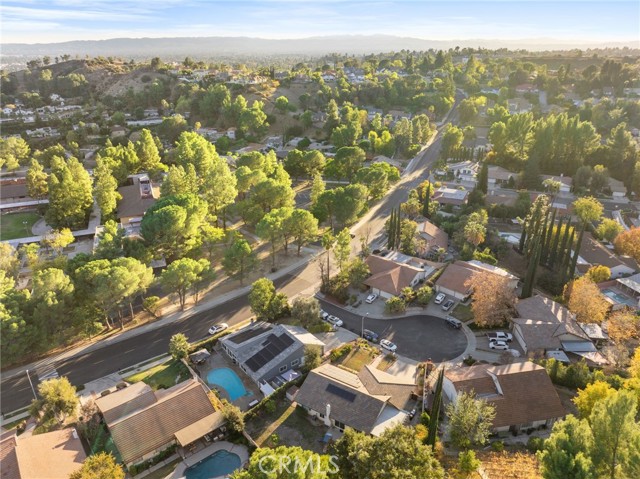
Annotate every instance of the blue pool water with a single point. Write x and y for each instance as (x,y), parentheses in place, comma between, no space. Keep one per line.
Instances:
(228,380)
(218,464)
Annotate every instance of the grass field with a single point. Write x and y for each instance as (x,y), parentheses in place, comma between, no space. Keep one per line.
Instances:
(162,376)
(358,358)
(17,225)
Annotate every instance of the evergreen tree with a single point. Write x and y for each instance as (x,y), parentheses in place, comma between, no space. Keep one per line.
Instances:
(426,201)
(530,278)
(435,411)
(483,178)
(553,253)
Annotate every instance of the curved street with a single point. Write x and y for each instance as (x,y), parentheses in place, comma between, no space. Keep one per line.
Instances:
(418,337)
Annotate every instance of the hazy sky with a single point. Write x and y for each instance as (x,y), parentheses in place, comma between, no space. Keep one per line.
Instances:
(46,21)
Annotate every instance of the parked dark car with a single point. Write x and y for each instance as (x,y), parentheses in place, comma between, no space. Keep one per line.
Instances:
(453,322)
(370,336)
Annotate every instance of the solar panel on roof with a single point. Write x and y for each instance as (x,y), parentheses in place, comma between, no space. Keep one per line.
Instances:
(343,393)
(271,348)
(250,333)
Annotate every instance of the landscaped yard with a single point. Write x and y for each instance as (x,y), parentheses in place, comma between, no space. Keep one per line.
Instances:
(17,225)
(386,362)
(162,376)
(289,424)
(359,358)
(462,312)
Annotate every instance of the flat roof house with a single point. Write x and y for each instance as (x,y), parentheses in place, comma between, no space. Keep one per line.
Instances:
(370,401)
(450,196)
(136,199)
(264,351)
(143,422)
(522,393)
(52,455)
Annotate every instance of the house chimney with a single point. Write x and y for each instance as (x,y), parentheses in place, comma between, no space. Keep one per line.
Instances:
(327,420)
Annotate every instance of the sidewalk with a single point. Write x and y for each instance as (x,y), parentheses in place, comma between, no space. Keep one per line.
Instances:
(169,318)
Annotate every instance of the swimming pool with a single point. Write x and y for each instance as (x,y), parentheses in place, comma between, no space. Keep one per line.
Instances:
(220,463)
(228,380)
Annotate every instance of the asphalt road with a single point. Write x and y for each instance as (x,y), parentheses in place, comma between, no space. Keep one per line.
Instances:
(418,337)
(83,368)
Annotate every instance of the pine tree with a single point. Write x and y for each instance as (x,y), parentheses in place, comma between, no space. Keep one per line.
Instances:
(435,411)
(566,260)
(523,237)
(483,178)
(391,230)
(574,261)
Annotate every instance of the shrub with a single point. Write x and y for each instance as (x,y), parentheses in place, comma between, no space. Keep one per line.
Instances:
(467,462)
(395,305)
(340,352)
(270,406)
(535,444)
(497,446)
(469,360)
(424,295)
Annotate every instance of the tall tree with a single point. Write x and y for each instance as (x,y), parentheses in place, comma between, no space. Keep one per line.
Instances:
(342,248)
(57,401)
(302,226)
(179,346)
(566,454)
(239,259)
(493,299)
(434,417)
(148,154)
(181,275)
(470,420)
(37,181)
(70,197)
(99,466)
(105,189)
(265,302)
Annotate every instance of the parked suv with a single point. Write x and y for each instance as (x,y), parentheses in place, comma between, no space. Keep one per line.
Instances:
(370,336)
(453,322)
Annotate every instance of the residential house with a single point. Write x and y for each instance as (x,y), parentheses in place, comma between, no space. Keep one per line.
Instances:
(434,237)
(466,171)
(622,292)
(388,278)
(522,394)
(14,190)
(231,133)
(451,196)
(265,351)
(617,188)
(454,280)
(545,326)
(500,177)
(136,199)
(51,455)
(565,182)
(594,253)
(118,131)
(519,105)
(370,401)
(143,422)
(526,88)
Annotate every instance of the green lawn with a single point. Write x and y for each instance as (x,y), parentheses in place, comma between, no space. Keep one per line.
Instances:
(13,225)
(162,376)
(462,312)
(358,358)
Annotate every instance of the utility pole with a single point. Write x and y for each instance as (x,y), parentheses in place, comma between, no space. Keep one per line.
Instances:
(32,388)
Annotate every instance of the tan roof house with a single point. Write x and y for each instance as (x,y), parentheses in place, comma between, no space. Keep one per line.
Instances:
(544,326)
(369,402)
(52,455)
(143,422)
(454,280)
(388,277)
(434,236)
(522,393)
(593,253)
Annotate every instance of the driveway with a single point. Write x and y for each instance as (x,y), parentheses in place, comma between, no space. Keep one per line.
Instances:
(419,337)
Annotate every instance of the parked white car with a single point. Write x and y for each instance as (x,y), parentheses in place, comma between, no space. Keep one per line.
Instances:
(501,345)
(371,298)
(218,328)
(499,336)
(336,321)
(440,298)
(388,345)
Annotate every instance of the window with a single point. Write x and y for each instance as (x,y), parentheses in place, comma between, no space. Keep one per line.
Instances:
(283,368)
(339,425)
(295,362)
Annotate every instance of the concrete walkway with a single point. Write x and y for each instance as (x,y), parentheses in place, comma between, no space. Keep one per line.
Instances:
(168,319)
(239,450)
